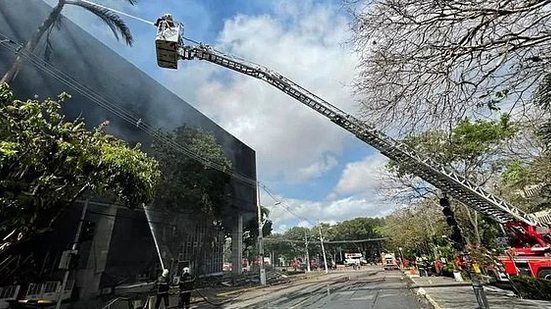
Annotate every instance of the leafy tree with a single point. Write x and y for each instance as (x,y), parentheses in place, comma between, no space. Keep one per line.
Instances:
(415,229)
(282,248)
(356,229)
(431,63)
(115,23)
(191,189)
(298,234)
(474,149)
(46,162)
(250,229)
(187,185)
(525,181)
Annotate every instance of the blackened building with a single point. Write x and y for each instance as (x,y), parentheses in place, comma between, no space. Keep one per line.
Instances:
(122,251)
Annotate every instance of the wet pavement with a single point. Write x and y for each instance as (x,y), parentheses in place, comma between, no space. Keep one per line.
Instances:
(369,288)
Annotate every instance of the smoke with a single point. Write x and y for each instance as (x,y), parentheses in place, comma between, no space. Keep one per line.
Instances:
(94,65)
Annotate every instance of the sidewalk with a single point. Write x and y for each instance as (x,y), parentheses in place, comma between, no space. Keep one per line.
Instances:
(446,293)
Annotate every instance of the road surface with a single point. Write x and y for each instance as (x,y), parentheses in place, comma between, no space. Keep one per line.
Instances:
(369,288)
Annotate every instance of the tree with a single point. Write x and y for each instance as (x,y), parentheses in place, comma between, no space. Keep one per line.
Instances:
(115,23)
(250,229)
(418,229)
(525,180)
(191,191)
(355,229)
(431,63)
(188,185)
(473,149)
(46,162)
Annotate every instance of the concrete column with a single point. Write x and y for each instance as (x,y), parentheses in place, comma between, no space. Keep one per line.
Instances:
(237,244)
(89,278)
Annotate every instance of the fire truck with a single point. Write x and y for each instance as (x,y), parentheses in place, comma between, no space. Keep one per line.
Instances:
(530,255)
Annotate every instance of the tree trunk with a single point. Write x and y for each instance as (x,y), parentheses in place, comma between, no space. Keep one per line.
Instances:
(10,75)
(473,219)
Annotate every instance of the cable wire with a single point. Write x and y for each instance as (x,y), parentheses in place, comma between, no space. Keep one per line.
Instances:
(121,112)
(119,12)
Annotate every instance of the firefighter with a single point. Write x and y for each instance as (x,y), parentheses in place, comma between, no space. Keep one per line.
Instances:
(167,19)
(162,285)
(186,286)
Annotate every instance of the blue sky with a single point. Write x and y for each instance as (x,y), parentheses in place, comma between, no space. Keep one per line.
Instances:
(317,169)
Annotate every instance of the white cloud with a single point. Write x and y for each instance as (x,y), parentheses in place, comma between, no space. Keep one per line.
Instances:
(308,213)
(316,169)
(292,142)
(363,176)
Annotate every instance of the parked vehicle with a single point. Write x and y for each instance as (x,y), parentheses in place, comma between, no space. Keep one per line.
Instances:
(389,261)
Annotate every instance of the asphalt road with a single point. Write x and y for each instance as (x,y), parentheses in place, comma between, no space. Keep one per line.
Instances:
(369,288)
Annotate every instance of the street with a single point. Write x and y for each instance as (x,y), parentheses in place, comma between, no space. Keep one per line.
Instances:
(369,288)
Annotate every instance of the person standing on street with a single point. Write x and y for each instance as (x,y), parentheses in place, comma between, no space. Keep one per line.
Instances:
(186,286)
(162,289)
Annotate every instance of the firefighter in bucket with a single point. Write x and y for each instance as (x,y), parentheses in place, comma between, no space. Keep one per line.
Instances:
(167,41)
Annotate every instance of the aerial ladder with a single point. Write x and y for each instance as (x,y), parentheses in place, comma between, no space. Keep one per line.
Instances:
(170,49)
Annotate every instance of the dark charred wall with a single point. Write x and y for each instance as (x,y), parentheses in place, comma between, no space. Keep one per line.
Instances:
(93,65)
(122,251)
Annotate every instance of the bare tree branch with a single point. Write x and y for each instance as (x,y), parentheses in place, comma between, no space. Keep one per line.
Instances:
(431,63)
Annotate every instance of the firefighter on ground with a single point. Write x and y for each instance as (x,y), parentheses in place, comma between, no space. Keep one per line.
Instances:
(162,285)
(186,286)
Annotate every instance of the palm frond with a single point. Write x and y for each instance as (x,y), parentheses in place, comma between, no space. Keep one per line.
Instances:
(49,46)
(58,23)
(117,25)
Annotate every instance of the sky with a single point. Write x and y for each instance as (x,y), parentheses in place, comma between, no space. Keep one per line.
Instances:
(314,168)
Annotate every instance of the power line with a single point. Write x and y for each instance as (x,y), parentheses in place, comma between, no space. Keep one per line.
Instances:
(121,112)
(129,117)
(284,205)
(330,241)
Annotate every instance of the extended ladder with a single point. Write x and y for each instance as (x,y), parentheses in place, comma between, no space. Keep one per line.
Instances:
(421,166)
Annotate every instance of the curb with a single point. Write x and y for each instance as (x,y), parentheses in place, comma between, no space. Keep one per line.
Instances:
(421,292)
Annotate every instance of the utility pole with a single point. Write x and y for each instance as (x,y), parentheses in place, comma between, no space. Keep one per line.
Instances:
(323,250)
(307,254)
(73,248)
(260,239)
(460,245)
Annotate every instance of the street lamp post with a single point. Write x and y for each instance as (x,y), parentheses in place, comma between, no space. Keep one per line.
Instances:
(260,243)
(323,250)
(307,253)
(74,248)
(401,258)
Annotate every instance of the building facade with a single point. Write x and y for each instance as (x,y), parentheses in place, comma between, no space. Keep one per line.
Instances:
(127,244)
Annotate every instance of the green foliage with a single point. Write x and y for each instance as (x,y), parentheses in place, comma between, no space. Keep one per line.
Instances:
(515,174)
(291,244)
(187,185)
(47,161)
(473,149)
(417,230)
(251,228)
(532,288)
(357,228)
(519,176)
(469,145)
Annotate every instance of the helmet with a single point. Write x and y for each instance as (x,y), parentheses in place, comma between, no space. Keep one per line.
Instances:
(186,270)
(165,272)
